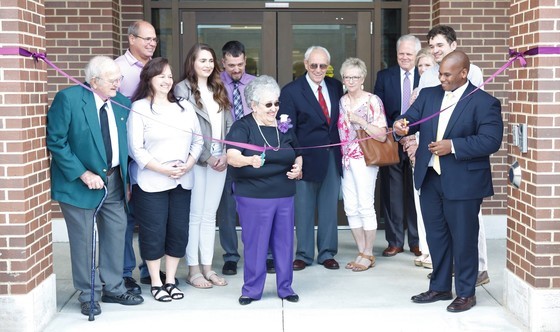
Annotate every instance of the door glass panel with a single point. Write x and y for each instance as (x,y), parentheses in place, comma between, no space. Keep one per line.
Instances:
(250,35)
(391,23)
(161,20)
(339,40)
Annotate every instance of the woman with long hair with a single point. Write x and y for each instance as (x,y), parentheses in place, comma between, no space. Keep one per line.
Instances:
(203,88)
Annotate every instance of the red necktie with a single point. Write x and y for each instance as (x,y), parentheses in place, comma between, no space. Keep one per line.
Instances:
(323,104)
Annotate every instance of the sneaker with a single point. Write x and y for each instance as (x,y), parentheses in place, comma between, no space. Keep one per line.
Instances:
(85,306)
(124,299)
(230,268)
(482,278)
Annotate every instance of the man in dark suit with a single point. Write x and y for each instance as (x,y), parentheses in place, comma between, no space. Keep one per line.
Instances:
(453,175)
(86,135)
(311,102)
(394,86)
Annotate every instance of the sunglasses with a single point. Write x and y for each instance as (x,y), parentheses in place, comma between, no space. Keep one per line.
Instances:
(315,65)
(269,105)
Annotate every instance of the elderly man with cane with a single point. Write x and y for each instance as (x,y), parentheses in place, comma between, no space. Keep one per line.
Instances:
(86,135)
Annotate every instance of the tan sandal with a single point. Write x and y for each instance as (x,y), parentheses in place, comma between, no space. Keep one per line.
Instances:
(360,267)
(217,280)
(192,281)
(351,264)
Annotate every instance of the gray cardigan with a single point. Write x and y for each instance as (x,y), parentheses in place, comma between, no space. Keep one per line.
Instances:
(183,90)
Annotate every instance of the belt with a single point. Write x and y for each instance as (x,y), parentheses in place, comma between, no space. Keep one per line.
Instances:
(112,170)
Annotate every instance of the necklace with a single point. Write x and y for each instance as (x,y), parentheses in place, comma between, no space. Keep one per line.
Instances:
(264,138)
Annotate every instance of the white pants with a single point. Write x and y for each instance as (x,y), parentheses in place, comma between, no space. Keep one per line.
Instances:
(422,242)
(205,198)
(358,192)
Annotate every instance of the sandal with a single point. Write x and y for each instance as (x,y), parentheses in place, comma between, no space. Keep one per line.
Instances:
(156,290)
(202,285)
(173,291)
(351,264)
(360,267)
(215,279)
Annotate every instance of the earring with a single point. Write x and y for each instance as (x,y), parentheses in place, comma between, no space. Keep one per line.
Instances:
(362,86)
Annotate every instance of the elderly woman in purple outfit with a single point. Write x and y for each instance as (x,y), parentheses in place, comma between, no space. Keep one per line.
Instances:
(264,189)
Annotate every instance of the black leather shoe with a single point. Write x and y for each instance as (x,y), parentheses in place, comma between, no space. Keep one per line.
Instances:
(148,280)
(86,305)
(132,286)
(270,266)
(292,298)
(331,264)
(431,296)
(230,268)
(124,299)
(244,300)
(462,304)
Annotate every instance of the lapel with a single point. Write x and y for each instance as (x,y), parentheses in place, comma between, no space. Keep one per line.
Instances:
(120,114)
(436,107)
(90,113)
(309,95)
(395,84)
(459,109)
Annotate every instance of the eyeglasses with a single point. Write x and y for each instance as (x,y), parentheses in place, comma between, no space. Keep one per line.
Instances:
(269,105)
(352,78)
(148,39)
(315,65)
(113,81)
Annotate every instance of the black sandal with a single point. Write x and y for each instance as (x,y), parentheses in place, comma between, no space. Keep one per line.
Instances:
(155,293)
(173,291)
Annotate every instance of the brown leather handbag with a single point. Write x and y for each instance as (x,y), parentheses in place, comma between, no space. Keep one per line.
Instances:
(375,152)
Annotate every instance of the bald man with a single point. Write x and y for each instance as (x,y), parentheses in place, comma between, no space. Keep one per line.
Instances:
(453,175)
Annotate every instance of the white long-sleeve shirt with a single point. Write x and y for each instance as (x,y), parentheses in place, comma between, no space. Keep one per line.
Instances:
(164,134)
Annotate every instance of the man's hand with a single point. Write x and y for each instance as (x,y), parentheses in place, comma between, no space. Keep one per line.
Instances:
(92,180)
(400,127)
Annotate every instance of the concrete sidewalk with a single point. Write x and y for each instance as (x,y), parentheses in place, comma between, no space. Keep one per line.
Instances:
(330,300)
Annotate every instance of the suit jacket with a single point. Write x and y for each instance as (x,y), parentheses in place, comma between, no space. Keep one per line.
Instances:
(76,145)
(311,127)
(388,88)
(476,129)
(183,90)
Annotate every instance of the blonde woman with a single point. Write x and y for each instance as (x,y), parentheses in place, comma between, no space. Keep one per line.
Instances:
(359,110)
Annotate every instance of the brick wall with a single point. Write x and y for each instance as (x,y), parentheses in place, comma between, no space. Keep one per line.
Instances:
(533,246)
(25,228)
(482,30)
(78,30)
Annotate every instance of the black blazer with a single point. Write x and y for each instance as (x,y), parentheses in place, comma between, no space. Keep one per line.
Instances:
(311,127)
(388,88)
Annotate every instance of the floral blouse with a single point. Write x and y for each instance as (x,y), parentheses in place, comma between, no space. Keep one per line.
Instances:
(374,114)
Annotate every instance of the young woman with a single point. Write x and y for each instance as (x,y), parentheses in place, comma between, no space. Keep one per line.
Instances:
(203,88)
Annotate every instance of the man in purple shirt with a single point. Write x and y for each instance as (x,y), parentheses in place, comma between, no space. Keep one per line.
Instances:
(234,78)
(142,42)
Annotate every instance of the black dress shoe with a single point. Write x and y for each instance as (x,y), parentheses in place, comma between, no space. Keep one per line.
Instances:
(124,299)
(292,298)
(270,266)
(431,296)
(244,300)
(331,264)
(132,286)
(230,268)
(86,305)
(299,265)
(148,280)
(462,304)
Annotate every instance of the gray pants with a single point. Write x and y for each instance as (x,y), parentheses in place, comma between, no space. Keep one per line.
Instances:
(111,225)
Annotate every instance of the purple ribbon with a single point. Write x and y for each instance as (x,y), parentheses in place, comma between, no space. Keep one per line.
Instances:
(514,55)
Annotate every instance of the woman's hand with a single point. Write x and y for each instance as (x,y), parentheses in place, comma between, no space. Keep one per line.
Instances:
(255,161)
(295,173)
(356,119)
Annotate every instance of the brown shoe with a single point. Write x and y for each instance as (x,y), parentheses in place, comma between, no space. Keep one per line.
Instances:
(392,251)
(462,304)
(331,264)
(416,251)
(299,265)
